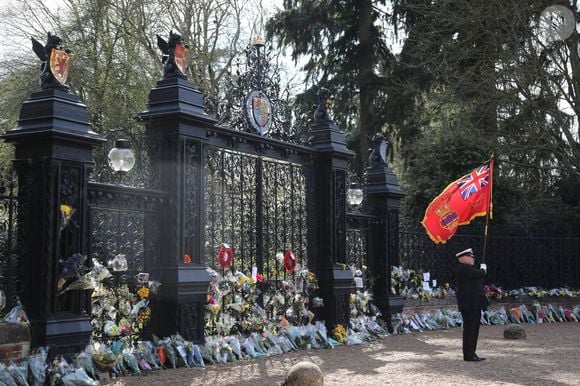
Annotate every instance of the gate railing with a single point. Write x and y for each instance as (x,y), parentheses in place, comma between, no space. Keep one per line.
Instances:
(514,260)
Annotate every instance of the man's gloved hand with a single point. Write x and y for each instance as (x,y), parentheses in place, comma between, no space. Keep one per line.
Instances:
(483,266)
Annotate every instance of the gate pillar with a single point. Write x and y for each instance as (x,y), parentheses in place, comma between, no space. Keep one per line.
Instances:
(177,123)
(53,158)
(334,280)
(384,201)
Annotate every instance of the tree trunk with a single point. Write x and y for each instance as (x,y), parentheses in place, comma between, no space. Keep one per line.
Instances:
(365,72)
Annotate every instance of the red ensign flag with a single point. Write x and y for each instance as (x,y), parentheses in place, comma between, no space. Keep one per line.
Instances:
(460,202)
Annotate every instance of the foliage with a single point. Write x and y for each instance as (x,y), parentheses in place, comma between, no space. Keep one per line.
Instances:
(347,53)
(115,59)
(494,85)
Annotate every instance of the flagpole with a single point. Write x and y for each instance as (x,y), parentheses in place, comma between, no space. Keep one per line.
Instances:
(488,210)
(485,237)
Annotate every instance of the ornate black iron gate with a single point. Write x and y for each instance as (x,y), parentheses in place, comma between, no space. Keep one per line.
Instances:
(246,185)
(257,205)
(357,239)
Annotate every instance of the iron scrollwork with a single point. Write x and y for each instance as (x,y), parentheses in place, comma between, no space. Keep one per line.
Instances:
(122,222)
(231,205)
(118,232)
(256,76)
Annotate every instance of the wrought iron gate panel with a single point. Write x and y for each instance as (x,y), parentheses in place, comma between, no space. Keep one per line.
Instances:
(257,205)
(357,239)
(9,259)
(285,225)
(230,205)
(123,221)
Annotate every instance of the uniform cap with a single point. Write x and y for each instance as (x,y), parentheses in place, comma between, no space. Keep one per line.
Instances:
(468,251)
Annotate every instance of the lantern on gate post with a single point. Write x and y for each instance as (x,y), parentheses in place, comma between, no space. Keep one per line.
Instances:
(355,195)
(121,157)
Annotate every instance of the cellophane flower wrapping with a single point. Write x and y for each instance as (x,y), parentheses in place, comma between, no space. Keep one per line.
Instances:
(37,367)
(234,343)
(170,352)
(5,376)
(147,351)
(284,343)
(85,361)
(19,372)
(59,368)
(78,377)
(353,338)
(131,362)
(17,315)
(103,356)
(249,348)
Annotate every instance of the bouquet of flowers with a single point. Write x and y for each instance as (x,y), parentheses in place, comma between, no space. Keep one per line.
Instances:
(232,303)
(405,282)
(339,333)
(104,357)
(493,292)
(38,366)
(121,311)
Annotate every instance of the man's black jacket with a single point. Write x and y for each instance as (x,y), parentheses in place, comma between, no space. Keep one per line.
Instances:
(470,295)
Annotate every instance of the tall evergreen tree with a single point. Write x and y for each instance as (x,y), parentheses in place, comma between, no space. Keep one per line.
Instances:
(347,52)
(480,70)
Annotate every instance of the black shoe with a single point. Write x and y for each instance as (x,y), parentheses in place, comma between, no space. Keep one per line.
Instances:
(474,359)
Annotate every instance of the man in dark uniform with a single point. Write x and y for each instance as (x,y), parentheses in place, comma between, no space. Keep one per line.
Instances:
(470,301)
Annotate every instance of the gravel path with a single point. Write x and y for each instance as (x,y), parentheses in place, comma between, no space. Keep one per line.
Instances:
(549,356)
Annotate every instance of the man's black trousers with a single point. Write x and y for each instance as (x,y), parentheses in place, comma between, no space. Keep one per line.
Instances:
(471,319)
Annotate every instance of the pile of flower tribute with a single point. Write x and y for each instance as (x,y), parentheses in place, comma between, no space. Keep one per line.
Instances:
(405,323)
(409,284)
(494,292)
(247,316)
(238,326)
(121,308)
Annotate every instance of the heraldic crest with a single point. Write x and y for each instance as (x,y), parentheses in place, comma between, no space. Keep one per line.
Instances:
(174,56)
(55,63)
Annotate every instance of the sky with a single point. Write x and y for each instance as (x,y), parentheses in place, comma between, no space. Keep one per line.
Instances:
(18,41)
(15,40)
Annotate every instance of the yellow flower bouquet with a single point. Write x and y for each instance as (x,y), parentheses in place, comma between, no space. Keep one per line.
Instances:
(339,333)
